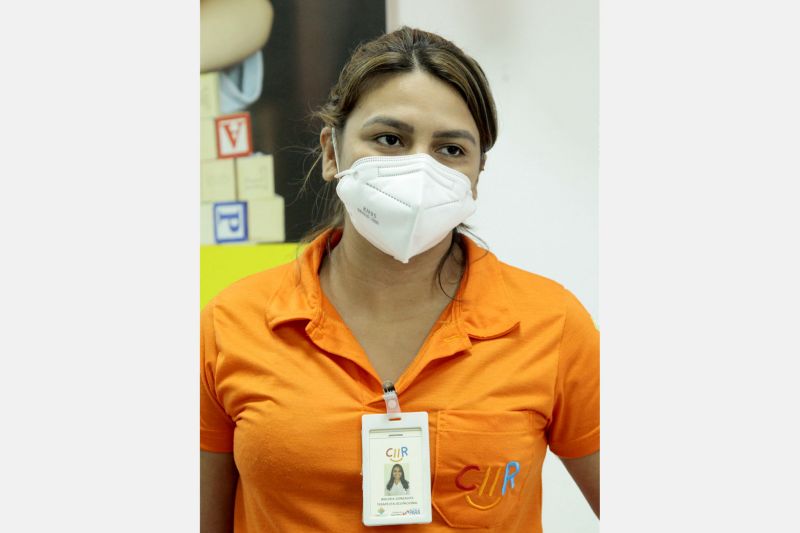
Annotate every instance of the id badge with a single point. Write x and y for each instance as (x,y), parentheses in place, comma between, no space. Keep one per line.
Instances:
(396,469)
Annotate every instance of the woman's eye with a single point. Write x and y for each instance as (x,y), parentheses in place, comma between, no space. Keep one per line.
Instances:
(452,150)
(388,140)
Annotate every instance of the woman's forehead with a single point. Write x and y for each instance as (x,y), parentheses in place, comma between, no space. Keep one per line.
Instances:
(413,97)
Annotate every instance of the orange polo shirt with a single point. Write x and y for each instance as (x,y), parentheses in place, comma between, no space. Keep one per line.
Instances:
(511,368)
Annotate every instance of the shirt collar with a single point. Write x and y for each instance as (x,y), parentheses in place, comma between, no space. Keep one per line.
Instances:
(483,308)
(299,295)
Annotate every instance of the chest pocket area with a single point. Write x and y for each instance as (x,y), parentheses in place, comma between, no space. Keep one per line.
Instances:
(483,460)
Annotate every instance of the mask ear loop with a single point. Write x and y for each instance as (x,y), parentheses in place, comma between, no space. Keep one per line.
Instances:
(335,153)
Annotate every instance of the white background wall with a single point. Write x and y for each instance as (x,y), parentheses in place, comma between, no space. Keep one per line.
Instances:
(537,198)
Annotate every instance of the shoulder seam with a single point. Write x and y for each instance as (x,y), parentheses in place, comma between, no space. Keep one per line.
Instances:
(560,347)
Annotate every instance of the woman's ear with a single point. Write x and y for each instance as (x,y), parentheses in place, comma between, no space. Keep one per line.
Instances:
(480,169)
(329,169)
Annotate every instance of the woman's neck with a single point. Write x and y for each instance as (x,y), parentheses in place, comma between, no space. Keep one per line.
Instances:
(358,271)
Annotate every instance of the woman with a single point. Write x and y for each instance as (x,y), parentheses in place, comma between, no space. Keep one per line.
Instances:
(504,362)
(397,485)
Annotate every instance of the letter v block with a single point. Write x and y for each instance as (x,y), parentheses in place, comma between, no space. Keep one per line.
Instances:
(234,136)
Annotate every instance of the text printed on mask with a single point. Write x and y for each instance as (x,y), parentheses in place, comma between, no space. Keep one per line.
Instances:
(369,214)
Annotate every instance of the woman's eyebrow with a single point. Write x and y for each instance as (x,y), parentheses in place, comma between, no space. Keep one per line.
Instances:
(455,134)
(408,128)
(391,122)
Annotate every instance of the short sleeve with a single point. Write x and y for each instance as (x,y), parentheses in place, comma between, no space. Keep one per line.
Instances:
(574,429)
(216,427)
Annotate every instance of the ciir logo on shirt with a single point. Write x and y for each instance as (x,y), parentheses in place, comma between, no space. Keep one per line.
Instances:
(482,485)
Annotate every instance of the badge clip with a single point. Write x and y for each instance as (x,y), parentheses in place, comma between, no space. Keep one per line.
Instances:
(392,401)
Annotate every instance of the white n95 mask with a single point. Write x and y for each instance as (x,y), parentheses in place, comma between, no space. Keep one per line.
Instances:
(405,205)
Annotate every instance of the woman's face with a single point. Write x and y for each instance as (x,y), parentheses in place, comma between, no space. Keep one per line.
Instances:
(396,473)
(406,114)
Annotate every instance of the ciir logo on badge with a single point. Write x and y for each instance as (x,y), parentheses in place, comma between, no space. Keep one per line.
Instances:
(397,454)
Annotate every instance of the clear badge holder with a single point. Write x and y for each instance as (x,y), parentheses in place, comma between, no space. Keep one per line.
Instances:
(395,465)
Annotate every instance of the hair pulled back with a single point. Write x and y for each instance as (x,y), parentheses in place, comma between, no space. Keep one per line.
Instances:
(406,50)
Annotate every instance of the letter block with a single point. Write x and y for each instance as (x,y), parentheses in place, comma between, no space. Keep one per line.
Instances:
(255,177)
(266,220)
(208,139)
(234,137)
(230,222)
(217,180)
(209,95)
(207,223)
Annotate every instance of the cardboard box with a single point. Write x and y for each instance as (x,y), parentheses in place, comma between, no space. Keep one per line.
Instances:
(218,180)
(265,218)
(209,95)
(255,177)
(208,139)
(234,136)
